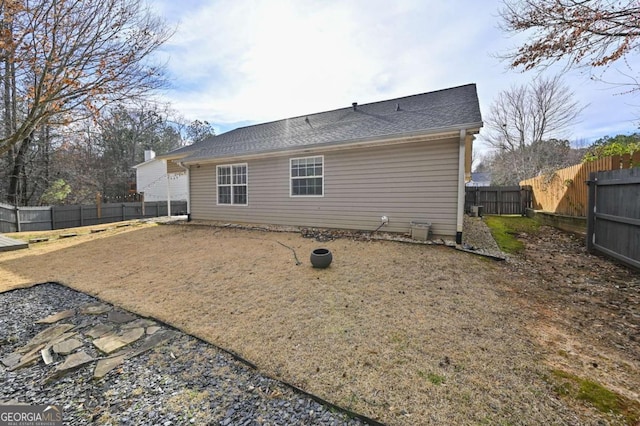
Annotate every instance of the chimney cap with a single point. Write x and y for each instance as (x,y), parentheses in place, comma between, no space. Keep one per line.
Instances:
(354,105)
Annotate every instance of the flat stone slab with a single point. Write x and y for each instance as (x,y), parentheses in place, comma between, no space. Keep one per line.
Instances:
(120,317)
(104,366)
(74,361)
(11,359)
(95,309)
(29,358)
(46,335)
(113,342)
(152,330)
(153,341)
(99,331)
(140,322)
(132,335)
(57,317)
(61,338)
(67,346)
(68,235)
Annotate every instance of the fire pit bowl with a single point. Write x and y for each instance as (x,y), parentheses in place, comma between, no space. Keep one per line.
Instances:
(321,258)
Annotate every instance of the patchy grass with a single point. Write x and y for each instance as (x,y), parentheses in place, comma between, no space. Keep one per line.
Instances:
(506,228)
(435,379)
(192,402)
(594,394)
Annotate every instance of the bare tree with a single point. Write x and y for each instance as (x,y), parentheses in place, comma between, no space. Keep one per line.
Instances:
(528,114)
(525,125)
(591,33)
(73,57)
(511,167)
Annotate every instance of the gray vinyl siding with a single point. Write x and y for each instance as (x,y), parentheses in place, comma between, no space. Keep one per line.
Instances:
(404,182)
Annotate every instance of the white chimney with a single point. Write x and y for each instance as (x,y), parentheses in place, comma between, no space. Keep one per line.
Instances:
(149,154)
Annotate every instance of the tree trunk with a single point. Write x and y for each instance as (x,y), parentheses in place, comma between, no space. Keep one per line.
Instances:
(17,189)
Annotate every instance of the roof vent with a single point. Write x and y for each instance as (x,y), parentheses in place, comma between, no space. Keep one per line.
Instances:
(354,105)
(397,107)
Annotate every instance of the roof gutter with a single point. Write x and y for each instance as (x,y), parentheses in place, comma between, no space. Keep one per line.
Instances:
(391,139)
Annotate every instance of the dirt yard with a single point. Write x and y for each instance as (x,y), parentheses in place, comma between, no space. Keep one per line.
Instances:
(405,334)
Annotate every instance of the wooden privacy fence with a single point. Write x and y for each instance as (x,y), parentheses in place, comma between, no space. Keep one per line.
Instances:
(498,199)
(17,219)
(613,221)
(565,191)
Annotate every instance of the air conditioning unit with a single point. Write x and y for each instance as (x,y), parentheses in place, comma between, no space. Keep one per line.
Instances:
(476,211)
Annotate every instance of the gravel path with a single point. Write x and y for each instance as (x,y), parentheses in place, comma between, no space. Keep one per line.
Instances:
(477,237)
(183,381)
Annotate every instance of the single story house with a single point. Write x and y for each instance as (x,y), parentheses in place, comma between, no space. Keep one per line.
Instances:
(160,183)
(391,162)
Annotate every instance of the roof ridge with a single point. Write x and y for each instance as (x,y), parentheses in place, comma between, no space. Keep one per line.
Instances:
(349,107)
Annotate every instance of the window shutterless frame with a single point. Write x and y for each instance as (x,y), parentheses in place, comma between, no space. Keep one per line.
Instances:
(306,176)
(232,184)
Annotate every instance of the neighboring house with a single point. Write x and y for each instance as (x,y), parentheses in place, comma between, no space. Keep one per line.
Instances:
(480,179)
(406,159)
(158,183)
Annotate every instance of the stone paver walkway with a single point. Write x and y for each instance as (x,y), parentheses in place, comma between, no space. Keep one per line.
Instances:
(95,335)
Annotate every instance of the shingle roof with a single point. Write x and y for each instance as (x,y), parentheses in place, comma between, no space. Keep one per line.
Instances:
(454,108)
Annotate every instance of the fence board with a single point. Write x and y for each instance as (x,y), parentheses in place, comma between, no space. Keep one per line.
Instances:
(565,191)
(614,215)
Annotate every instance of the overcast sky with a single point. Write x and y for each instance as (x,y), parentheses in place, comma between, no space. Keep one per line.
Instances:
(240,62)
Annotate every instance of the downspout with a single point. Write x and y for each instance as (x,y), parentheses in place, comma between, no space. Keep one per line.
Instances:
(461,164)
(188,171)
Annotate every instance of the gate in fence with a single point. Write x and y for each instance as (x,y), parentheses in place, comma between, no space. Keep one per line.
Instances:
(498,199)
(613,216)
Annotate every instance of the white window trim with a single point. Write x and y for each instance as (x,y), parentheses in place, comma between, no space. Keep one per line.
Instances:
(291,178)
(232,185)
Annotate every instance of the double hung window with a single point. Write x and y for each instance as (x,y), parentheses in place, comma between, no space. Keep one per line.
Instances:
(307,176)
(232,184)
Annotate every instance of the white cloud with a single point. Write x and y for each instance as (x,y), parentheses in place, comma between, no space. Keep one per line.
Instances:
(263,60)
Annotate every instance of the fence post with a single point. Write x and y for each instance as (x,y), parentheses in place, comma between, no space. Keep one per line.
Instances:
(18,227)
(99,205)
(591,213)
(53,217)
(124,213)
(142,202)
(81,216)
(157,208)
